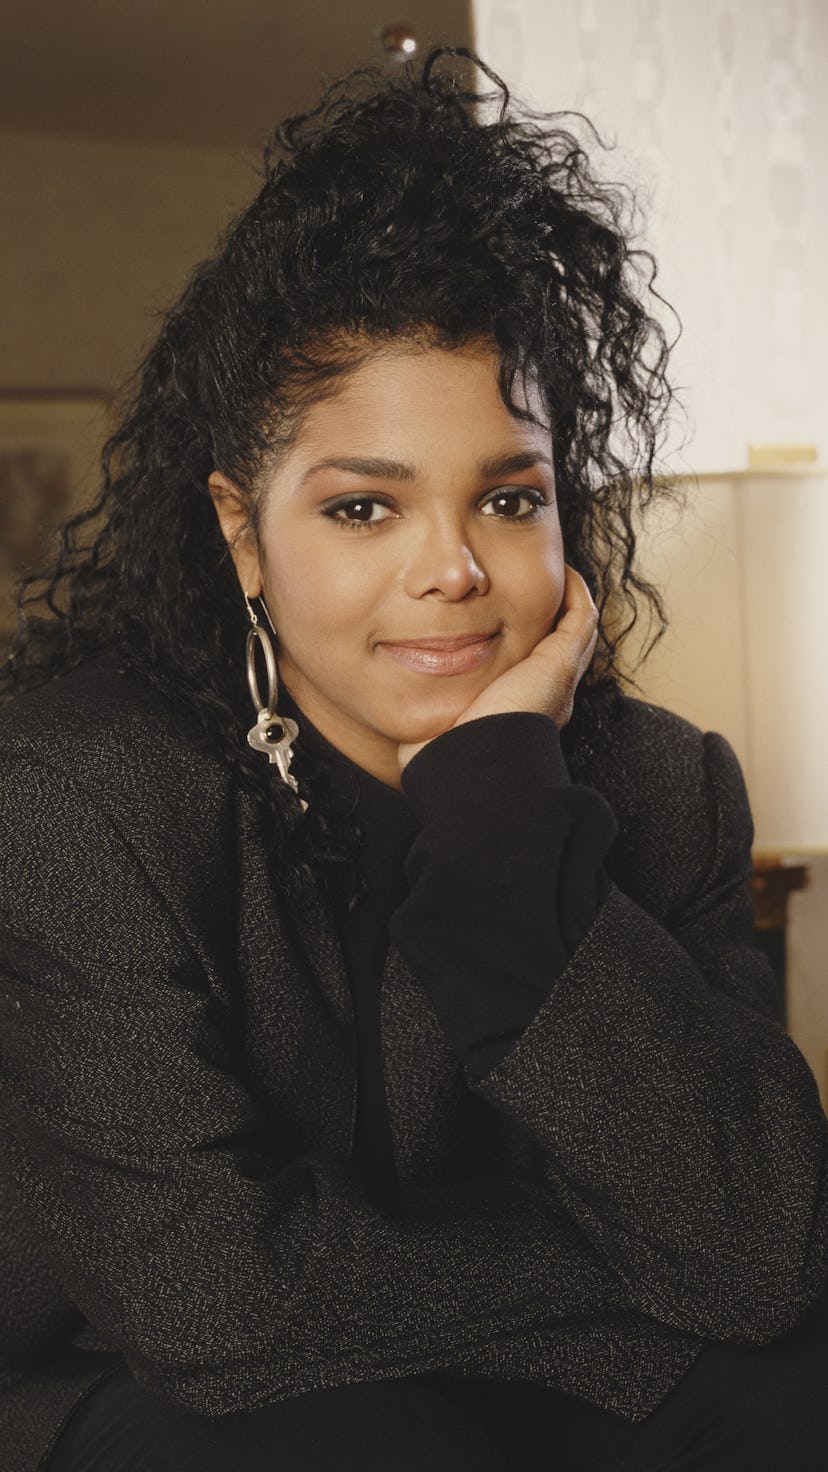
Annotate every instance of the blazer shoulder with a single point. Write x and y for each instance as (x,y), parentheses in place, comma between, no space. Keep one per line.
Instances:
(674,789)
(646,753)
(96,763)
(107,744)
(103,729)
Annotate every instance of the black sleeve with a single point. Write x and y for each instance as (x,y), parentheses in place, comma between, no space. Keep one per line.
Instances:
(506,877)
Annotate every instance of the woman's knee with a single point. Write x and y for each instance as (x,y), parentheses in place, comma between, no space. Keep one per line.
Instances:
(367,1427)
(371,1427)
(765,1428)
(768,1407)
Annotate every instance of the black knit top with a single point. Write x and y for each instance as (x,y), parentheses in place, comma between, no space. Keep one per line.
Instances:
(488,820)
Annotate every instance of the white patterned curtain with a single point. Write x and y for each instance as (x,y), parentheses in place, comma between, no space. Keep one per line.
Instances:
(719,109)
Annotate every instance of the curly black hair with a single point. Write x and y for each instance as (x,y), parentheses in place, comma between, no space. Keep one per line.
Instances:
(402,205)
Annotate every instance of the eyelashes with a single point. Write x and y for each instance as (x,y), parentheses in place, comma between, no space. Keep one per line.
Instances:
(508,497)
(537,501)
(357,523)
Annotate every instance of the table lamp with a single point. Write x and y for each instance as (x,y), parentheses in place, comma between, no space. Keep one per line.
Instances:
(743,570)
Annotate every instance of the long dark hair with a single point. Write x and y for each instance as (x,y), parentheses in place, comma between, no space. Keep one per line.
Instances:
(401,205)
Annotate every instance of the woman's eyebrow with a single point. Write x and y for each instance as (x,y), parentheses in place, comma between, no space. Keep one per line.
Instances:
(377,468)
(381,469)
(507,464)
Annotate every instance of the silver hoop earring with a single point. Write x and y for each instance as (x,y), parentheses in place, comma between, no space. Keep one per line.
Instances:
(272,733)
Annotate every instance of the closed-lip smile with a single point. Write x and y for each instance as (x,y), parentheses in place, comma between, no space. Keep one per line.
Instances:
(449,654)
(450,642)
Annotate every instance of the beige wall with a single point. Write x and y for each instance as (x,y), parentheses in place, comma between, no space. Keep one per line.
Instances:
(96,237)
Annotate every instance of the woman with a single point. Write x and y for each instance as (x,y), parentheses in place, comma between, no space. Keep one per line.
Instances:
(389,1078)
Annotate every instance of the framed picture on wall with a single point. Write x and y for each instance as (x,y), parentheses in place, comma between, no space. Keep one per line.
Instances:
(50,446)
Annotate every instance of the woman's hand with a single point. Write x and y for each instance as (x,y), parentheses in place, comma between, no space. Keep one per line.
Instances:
(547,679)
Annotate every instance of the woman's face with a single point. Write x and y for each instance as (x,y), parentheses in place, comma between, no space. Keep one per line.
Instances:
(412,507)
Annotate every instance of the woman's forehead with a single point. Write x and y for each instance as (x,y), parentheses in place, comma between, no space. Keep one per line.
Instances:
(395,385)
(414,404)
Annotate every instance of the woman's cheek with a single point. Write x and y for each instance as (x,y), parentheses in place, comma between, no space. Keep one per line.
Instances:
(549,606)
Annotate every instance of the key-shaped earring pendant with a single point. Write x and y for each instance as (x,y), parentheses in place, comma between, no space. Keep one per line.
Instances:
(273,735)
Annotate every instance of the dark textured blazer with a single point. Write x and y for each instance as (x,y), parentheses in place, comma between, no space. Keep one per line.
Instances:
(642,1171)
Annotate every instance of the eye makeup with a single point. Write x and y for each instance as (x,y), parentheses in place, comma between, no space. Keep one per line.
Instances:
(508,494)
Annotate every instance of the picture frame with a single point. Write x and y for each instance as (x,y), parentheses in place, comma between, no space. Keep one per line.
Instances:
(50,446)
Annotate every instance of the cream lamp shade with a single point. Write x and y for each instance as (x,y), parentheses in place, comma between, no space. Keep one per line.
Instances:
(744,571)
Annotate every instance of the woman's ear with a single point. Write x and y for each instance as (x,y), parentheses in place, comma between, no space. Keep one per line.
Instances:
(234,520)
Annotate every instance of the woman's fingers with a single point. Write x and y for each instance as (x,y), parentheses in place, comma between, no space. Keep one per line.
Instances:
(579,620)
(568,649)
(547,679)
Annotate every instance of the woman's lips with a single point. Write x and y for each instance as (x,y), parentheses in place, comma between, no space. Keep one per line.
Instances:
(444,656)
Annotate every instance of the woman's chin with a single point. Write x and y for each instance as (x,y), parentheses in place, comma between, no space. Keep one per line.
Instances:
(425,726)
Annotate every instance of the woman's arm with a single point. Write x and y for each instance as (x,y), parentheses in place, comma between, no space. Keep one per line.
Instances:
(227,1273)
(505,877)
(679,1124)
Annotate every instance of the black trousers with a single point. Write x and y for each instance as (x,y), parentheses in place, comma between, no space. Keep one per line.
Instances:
(762,1408)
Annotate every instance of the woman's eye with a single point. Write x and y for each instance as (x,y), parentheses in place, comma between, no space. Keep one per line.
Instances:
(515,503)
(507,504)
(360,511)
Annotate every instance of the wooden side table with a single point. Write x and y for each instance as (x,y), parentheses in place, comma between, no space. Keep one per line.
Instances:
(771,882)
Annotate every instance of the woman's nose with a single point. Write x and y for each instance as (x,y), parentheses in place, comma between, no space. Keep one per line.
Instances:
(443,562)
